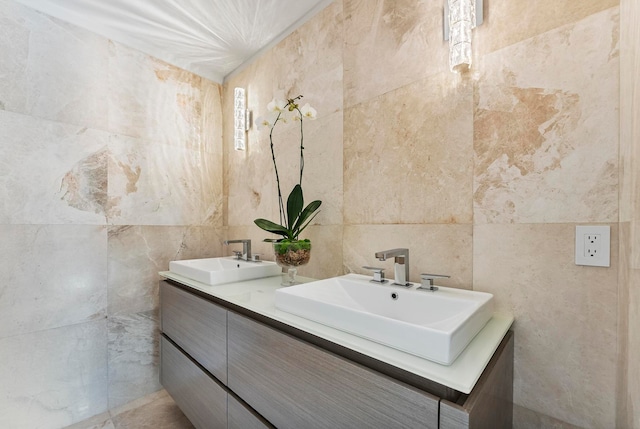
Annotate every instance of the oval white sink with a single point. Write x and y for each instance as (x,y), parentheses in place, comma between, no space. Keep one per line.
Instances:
(216,271)
(433,325)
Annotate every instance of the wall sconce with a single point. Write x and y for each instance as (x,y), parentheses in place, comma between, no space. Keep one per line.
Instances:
(241,119)
(460,17)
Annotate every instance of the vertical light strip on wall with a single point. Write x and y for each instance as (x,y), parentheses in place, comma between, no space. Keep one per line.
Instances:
(239,119)
(460,17)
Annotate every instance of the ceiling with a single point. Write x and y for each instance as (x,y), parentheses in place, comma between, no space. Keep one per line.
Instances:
(212,38)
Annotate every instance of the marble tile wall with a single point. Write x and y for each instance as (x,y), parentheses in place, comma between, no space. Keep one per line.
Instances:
(629,272)
(480,174)
(537,125)
(110,167)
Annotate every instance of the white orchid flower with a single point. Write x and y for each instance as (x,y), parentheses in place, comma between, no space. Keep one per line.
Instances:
(308,112)
(276,105)
(267,121)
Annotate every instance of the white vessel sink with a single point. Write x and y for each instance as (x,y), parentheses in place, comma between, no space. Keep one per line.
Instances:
(433,325)
(216,271)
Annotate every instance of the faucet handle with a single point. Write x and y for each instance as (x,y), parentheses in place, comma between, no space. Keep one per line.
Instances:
(427,281)
(378,274)
(238,254)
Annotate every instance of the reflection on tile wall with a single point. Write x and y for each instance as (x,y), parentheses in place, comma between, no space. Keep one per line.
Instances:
(479,174)
(309,62)
(110,166)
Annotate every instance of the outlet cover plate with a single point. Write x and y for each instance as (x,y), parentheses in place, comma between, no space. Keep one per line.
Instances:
(593,245)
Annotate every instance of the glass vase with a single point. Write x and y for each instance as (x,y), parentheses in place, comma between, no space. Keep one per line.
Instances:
(290,255)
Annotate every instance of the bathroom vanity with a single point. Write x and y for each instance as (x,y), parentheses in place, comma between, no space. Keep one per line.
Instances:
(229,358)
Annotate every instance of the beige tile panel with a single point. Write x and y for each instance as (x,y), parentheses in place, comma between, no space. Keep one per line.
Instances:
(250,184)
(153,100)
(630,201)
(524,418)
(408,155)
(211,118)
(53,378)
(51,276)
(158,184)
(308,62)
(133,356)
(389,44)
(633,401)
(509,22)
(629,102)
(326,252)
(546,113)
(52,173)
(434,249)
(211,173)
(624,359)
(138,253)
(565,318)
(51,69)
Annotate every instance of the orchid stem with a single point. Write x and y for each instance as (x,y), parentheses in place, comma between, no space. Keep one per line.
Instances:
(275,167)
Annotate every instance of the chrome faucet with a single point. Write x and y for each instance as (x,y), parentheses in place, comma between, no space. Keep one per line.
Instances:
(246,250)
(401,259)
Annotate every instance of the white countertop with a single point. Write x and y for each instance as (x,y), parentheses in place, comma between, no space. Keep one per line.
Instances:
(259,296)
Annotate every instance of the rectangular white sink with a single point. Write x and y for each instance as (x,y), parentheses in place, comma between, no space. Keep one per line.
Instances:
(433,325)
(216,271)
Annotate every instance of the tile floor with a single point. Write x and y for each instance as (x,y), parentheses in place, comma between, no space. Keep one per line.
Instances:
(154,411)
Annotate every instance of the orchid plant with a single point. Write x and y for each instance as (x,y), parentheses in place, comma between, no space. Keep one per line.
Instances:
(295,217)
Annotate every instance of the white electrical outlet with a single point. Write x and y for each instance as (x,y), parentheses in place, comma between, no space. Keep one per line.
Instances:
(593,245)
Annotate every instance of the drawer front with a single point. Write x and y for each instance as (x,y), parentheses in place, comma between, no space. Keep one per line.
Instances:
(200,398)
(199,327)
(296,385)
(240,417)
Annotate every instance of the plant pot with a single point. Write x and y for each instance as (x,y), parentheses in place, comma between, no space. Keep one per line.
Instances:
(290,255)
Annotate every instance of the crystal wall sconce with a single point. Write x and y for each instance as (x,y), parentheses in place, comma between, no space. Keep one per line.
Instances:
(241,119)
(460,17)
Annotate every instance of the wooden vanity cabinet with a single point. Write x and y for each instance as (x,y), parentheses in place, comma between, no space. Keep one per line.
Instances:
(198,395)
(239,416)
(490,403)
(226,369)
(197,326)
(294,384)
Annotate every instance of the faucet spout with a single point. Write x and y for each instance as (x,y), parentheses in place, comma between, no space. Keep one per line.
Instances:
(401,257)
(246,248)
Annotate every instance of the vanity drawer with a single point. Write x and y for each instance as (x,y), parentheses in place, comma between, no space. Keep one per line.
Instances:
(295,385)
(198,326)
(241,417)
(198,395)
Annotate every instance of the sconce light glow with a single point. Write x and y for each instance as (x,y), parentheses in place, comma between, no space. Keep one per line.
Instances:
(239,119)
(460,17)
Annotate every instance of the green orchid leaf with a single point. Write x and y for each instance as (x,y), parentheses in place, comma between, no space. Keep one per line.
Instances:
(272,227)
(308,223)
(304,215)
(295,202)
